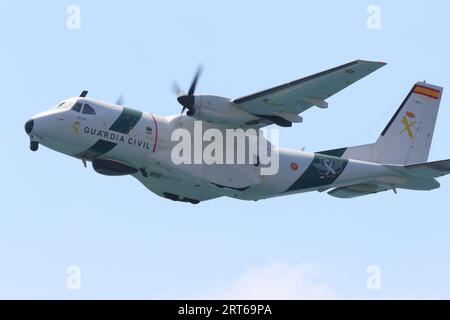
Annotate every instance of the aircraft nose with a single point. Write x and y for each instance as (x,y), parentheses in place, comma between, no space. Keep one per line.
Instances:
(29,125)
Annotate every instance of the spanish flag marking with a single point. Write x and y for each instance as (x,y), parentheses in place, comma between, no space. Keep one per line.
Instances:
(428,92)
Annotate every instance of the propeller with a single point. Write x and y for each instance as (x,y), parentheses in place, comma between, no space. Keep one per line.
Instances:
(188,100)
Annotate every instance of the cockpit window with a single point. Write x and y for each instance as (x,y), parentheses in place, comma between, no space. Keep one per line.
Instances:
(87,109)
(77,107)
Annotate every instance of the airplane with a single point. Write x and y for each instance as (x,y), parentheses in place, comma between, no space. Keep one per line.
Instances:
(118,140)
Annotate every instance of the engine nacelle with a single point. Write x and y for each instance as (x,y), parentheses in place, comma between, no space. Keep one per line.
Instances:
(219,110)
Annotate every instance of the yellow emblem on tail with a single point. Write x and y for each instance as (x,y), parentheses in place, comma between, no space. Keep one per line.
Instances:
(408,127)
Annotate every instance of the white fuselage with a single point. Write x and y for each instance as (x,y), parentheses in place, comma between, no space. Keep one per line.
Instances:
(142,141)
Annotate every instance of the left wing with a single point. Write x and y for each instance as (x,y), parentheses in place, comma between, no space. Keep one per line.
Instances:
(282,104)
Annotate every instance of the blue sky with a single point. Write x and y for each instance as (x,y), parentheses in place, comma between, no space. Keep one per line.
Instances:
(129,243)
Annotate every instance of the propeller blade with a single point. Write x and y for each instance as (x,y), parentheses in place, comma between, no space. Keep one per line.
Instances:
(177,90)
(188,100)
(195,80)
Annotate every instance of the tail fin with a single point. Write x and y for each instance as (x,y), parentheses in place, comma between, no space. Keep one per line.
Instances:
(407,137)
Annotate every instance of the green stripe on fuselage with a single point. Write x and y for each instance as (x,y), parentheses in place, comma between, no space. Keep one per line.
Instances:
(335,152)
(124,124)
(97,149)
(323,171)
(126,121)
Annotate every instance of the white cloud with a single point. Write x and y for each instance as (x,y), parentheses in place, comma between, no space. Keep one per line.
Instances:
(278,281)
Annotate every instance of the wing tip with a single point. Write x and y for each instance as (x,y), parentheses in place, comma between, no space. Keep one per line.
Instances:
(380,63)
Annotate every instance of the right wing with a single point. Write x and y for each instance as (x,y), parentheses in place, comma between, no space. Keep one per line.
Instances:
(282,104)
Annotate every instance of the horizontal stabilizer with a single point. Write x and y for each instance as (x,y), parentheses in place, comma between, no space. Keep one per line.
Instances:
(358,190)
(413,177)
(430,169)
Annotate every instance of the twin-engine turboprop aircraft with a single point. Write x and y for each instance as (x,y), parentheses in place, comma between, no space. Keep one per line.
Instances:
(123,141)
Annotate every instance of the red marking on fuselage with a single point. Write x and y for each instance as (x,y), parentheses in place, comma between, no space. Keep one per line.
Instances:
(156,133)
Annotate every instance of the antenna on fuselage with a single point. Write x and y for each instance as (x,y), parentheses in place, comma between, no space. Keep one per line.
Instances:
(83,94)
(120,100)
